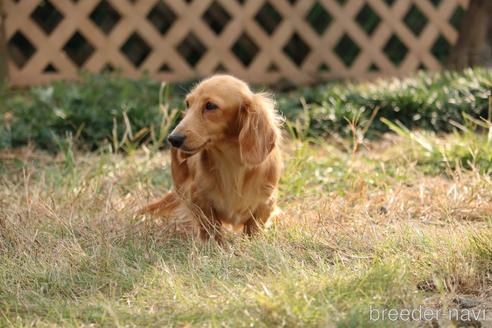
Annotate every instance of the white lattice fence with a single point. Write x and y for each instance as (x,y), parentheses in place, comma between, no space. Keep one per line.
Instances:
(261,41)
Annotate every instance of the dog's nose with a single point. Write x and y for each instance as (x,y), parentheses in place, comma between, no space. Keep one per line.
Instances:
(176,139)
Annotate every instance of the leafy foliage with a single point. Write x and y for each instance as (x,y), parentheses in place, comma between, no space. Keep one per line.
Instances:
(90,111)
(107,109)
(426,101)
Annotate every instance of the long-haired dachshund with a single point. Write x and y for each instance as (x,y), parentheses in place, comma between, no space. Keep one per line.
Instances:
(225,159)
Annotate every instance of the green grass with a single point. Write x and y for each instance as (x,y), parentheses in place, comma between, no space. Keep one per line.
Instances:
(385,226)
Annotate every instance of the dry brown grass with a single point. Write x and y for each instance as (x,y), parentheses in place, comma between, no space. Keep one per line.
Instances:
(378,228)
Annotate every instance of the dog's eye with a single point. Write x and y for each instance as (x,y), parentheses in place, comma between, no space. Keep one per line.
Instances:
(187,104)
(210,106)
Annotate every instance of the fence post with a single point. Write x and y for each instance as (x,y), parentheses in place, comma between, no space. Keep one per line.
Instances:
(3,46)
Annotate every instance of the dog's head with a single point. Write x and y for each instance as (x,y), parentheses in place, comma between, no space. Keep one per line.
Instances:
(223,109)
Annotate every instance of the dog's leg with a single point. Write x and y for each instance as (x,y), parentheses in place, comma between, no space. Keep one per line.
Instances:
(210,226)
(260,217)
(164,206)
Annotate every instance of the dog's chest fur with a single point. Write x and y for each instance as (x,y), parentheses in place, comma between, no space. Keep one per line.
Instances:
(234,190)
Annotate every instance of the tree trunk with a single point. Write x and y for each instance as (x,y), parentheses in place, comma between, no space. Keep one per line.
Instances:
(3,47)
(474,46)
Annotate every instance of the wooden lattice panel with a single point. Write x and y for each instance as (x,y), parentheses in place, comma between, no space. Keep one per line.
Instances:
(261,41)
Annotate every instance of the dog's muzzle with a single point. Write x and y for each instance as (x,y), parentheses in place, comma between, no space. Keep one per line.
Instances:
(176,139)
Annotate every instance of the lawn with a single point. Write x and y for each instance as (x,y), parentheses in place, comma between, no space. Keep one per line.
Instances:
(391,226)
(401,221)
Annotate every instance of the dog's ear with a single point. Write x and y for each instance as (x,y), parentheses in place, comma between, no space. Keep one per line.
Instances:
(259,131)
(179,168)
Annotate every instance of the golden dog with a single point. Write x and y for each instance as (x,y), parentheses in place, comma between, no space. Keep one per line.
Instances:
(225,159)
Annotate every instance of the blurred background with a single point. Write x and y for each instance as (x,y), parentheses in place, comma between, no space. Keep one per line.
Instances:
(113,73)
(274,42)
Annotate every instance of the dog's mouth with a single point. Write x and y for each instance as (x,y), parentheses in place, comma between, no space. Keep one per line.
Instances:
(193,151)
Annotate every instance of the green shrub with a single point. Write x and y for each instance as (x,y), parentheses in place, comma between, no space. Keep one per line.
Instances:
(426,101)
(88,110)
(103,109)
